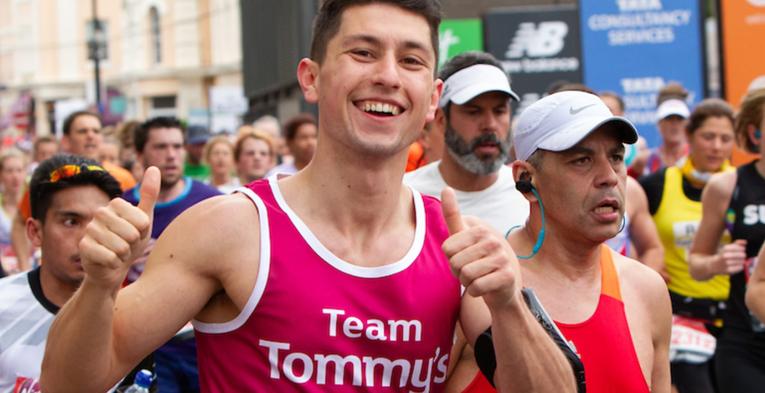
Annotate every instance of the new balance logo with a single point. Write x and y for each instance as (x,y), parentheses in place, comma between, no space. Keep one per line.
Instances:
(543,41)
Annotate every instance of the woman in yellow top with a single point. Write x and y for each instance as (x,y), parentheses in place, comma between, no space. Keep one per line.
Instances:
(674,199)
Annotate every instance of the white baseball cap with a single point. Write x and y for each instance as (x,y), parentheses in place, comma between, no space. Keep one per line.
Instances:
(561,120)
(672,107)
(470,82)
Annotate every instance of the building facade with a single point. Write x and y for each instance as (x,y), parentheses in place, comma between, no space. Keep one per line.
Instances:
(161,57)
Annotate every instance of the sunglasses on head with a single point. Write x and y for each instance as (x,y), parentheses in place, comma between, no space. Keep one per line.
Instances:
(69,170)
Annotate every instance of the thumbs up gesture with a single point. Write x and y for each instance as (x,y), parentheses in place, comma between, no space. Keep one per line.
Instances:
(479,256)
(118,234)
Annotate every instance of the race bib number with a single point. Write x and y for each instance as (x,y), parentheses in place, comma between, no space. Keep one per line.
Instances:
(26,385)
(691,342)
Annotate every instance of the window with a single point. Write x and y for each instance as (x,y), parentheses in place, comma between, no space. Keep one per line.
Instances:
(156,35)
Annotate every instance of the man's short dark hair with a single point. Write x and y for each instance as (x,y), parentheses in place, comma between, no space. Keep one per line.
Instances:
(293,124)
(46,182)
(41,140)
(327,22)
(574,86)
(67,126)
(142,131)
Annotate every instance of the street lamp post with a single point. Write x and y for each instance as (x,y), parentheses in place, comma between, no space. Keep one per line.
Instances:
(97,51)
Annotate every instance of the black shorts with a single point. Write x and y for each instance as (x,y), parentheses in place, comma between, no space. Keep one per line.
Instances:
(739,365)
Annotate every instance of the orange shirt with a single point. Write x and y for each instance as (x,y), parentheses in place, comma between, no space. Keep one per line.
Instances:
(416,157)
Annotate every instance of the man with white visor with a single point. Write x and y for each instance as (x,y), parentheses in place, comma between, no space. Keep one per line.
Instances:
(474,117)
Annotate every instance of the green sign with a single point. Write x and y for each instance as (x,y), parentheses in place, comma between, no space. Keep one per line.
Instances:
(457,36)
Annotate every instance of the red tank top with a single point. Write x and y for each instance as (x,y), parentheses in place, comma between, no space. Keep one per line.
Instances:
(603,342)
(315,323)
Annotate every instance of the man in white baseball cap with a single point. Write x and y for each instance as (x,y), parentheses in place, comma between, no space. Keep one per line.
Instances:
(570,167)
(474,119)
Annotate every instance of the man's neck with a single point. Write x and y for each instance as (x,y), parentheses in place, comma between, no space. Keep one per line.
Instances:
(54,290)
(671,153)
(354,205)
(568,256)
(461,179)
(169,193)
(218,179)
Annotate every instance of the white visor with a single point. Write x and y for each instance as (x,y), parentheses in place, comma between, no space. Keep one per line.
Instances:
(468,83)
(672,108)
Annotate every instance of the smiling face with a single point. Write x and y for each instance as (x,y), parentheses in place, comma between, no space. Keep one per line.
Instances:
(583,187)
(375,86)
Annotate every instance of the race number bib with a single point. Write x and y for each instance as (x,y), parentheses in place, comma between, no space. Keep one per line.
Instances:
(691,342)
(26,385)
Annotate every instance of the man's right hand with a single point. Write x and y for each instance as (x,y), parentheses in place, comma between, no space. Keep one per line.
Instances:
(731,257)
(118,234)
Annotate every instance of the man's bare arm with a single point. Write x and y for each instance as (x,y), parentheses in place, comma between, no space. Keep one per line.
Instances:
(755,291)
(661,328)
(643,230)
(19,242)
(102,332)
(706,259)
(527,358)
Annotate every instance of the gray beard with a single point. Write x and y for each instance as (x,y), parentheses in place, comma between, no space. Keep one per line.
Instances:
(462,152)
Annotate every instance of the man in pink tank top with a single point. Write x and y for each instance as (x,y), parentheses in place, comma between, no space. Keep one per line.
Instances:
(332,279)
(614,311)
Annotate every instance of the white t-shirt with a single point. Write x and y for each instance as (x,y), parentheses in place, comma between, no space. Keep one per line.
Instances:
(287,168)
(24,325)
(500,205)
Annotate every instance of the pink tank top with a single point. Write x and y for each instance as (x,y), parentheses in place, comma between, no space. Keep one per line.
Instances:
(316,323)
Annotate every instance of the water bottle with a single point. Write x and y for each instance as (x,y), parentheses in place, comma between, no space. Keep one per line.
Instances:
(141,383)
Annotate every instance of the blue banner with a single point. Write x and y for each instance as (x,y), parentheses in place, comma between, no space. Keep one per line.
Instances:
(634,47)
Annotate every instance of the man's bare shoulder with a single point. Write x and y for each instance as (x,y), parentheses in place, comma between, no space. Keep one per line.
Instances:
(636,276)
(220,226)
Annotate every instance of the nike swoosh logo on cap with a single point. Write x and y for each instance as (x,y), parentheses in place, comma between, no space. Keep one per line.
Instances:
(573,111)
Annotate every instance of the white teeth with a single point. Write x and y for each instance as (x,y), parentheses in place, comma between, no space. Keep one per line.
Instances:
(379,107)
(605,209)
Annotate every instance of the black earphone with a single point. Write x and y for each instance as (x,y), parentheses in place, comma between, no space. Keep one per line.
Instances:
(524,184)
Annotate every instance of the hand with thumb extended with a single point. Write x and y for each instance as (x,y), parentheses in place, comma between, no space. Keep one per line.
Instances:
(451,211)
(118,234)
(149,190)
(479,256)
